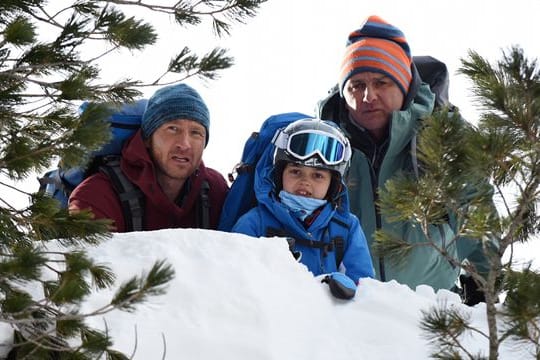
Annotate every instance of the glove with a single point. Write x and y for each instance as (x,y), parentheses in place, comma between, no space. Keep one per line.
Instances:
(341,286)
(471,294)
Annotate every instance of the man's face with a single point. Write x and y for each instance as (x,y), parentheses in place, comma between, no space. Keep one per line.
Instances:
(176,148)
(371,98)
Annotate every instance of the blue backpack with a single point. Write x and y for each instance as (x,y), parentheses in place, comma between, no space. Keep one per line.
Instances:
(60,182)
(258,147)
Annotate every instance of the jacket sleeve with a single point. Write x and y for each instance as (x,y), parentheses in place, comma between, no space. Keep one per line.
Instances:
(97,195)
(249,224)
(357,258)
(472,249)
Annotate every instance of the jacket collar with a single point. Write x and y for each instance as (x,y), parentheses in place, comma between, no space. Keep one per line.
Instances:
(418,104)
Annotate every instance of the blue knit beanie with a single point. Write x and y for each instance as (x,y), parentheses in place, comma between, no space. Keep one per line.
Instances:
(174,102)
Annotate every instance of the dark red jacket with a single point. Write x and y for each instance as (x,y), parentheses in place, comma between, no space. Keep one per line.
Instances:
(97,193)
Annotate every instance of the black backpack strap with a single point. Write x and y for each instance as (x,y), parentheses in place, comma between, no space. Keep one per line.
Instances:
(338,240)
(339,248)
(271,232)
(131,197)
(336,243)
(204,222)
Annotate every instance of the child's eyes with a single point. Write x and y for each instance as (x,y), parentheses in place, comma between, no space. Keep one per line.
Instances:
(294,171)
(298,172)
(320,176)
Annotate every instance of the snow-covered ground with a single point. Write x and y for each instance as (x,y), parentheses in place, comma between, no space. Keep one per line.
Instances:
(241,298)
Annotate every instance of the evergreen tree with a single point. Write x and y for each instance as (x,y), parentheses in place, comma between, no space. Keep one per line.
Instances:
(44,75)
(466,169)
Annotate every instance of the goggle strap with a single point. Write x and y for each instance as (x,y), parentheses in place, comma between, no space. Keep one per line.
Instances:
(280,139)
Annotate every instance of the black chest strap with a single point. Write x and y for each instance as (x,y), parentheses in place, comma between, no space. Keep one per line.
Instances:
(336,243)
(130,196)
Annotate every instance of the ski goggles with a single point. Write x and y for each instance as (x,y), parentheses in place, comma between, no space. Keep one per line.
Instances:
(305,144)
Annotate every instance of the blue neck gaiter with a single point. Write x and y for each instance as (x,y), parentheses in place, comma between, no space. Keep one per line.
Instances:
(300,206)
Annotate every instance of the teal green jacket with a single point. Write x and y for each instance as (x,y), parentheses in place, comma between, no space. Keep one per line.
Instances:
(424,265)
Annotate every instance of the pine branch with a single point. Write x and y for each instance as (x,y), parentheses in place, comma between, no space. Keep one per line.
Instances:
(136,289)
(45,73)
(522,306)
(444,327)
(462,167)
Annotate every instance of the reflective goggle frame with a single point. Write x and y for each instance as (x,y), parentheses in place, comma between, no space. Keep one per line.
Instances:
(306,143)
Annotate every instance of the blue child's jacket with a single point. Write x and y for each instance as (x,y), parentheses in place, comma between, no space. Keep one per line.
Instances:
(330,223)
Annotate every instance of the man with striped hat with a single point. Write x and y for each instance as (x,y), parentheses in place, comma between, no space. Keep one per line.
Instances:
(380,103)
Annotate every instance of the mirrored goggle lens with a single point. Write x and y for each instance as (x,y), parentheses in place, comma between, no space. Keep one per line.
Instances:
(305,145)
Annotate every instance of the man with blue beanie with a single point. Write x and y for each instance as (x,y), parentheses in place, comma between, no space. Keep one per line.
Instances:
(164,161)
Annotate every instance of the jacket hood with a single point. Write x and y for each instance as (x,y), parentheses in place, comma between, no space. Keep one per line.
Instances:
(331,107)
(265,188)
(405,123)
(418,104)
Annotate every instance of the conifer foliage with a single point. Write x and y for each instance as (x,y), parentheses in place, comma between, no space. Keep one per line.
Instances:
(466,171)
(48,65)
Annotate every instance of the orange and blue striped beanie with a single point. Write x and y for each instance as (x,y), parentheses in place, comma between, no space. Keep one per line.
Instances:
(377,47)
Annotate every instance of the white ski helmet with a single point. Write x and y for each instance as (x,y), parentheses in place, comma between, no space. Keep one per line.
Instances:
(315,143)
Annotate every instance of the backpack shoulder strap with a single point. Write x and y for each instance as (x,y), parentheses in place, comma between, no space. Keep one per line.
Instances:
(337,242)
(337,239)
(204,222)
(131,197)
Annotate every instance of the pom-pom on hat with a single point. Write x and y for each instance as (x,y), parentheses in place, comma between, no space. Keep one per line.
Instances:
(377,47)
(174,102)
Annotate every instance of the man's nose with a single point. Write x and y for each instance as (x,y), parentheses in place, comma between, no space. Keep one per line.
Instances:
(182,140)
(368,94)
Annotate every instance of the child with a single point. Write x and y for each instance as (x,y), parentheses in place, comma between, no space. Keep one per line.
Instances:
(303,197)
